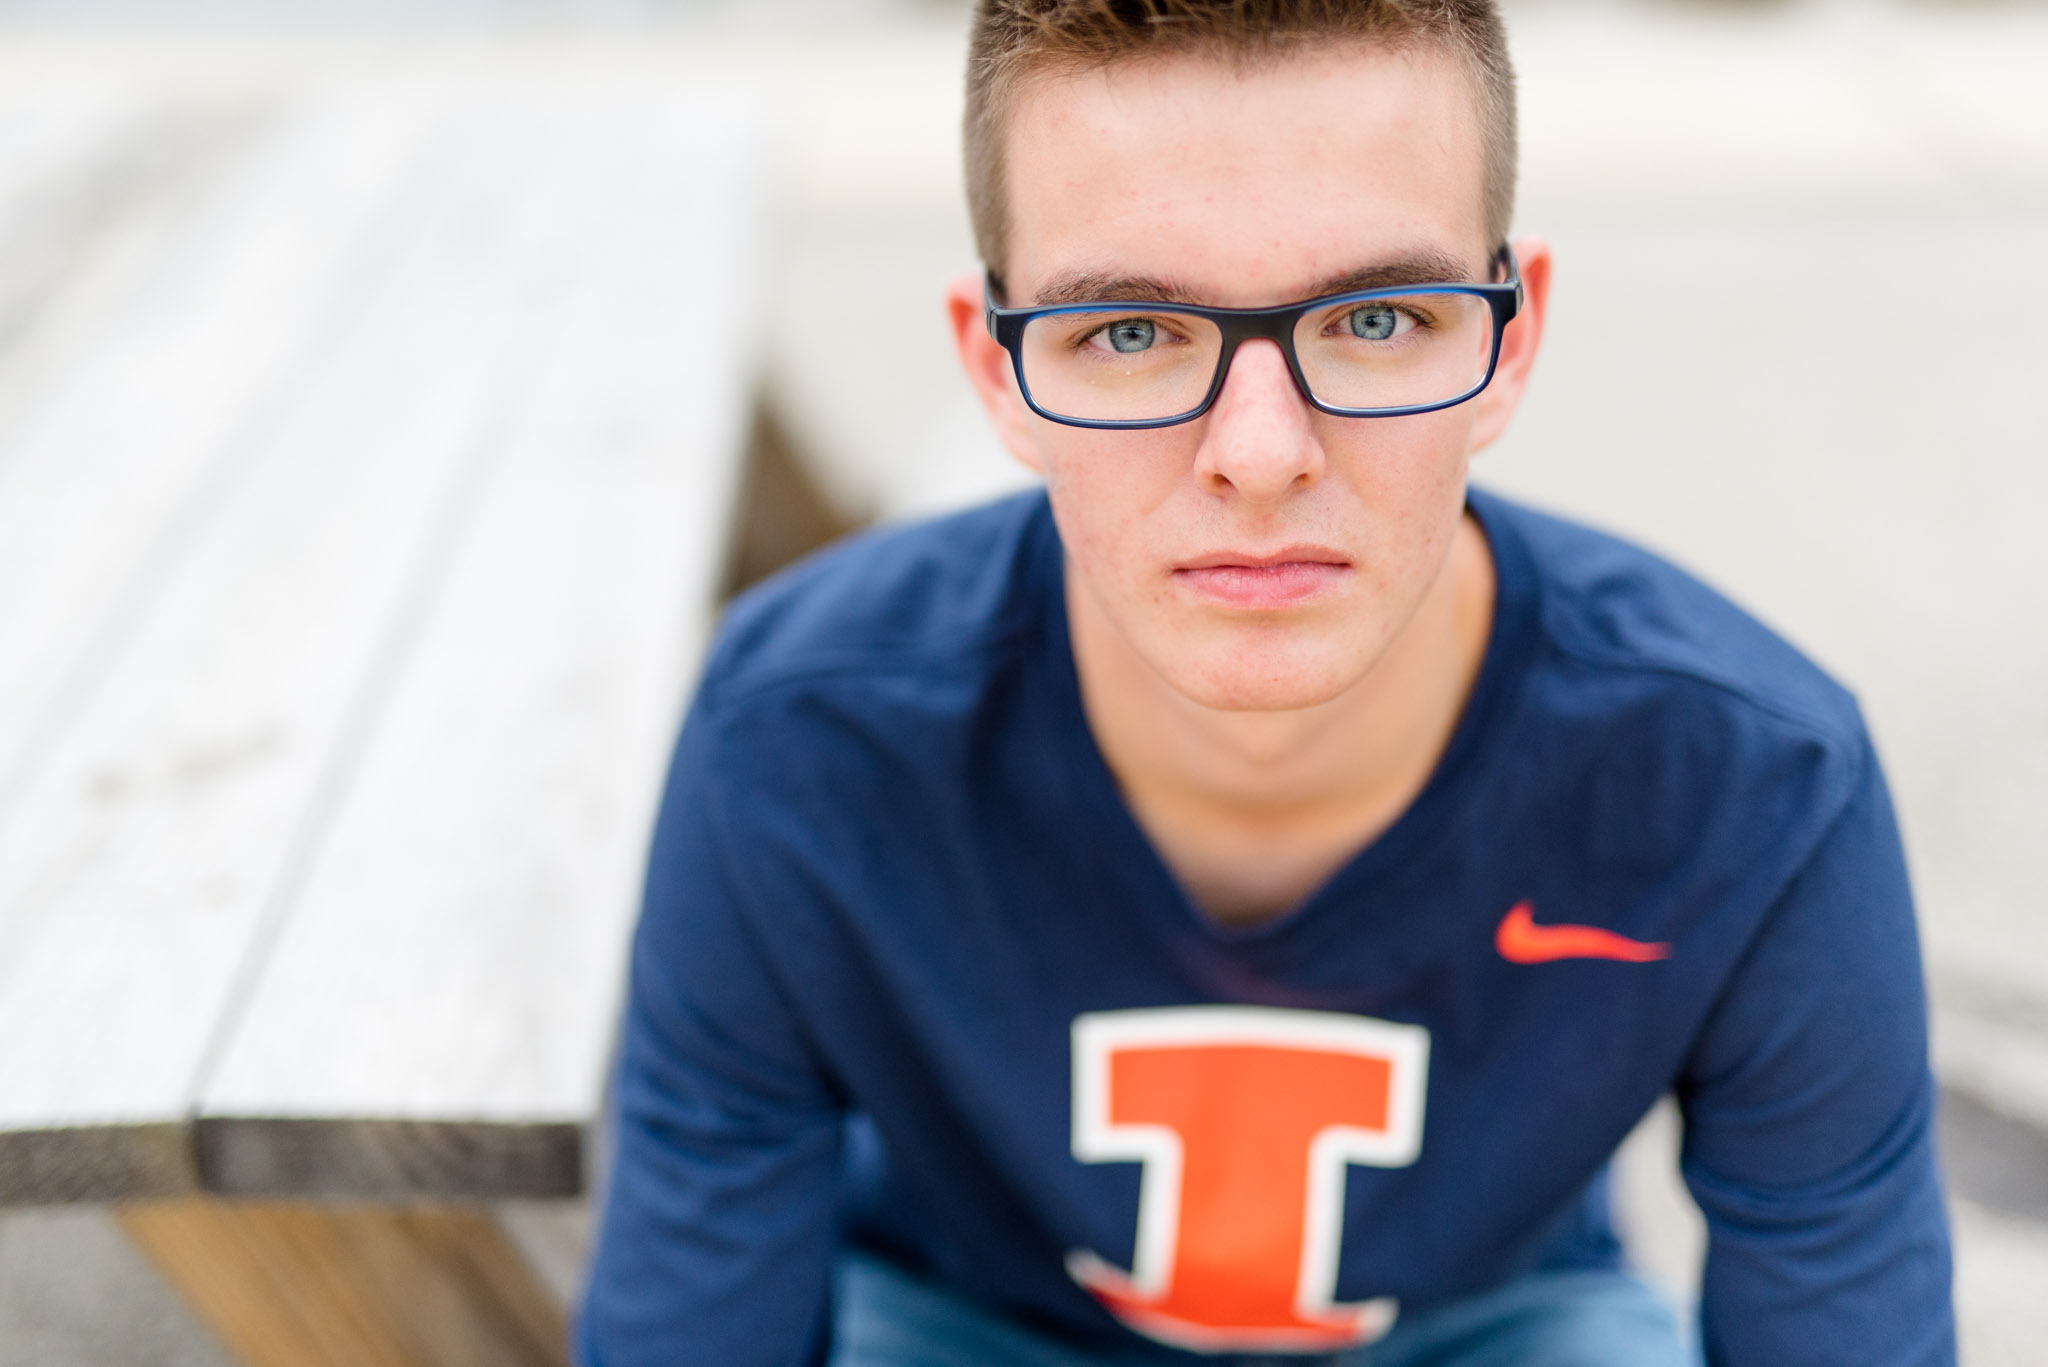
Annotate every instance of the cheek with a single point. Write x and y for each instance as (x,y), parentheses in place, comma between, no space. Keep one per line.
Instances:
(1404,467)
(1107,489)
(1407,484)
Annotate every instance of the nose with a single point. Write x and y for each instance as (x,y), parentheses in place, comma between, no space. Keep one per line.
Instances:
(1258,439)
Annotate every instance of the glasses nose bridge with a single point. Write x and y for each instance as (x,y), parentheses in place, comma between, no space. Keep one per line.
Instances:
(1260,325)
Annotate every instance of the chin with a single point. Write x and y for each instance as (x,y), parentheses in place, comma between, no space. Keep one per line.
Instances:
(1263,680)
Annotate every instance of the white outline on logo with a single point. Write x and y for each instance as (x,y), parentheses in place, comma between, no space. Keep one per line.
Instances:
(1098,1036)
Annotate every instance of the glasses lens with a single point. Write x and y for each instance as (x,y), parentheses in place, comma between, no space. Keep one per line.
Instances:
(1419,348)
(1118,365)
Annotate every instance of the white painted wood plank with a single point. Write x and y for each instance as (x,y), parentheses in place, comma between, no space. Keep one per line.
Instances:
(142,866)
(53,144)
(45,133)
(458,954)
(100,481)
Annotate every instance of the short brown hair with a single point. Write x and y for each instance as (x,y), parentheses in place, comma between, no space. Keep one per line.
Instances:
(1013,39)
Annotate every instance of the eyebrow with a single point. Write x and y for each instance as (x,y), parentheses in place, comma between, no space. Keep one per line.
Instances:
(1083,287)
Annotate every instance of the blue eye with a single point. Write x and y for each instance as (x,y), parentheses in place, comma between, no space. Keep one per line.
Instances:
(1133,334)
(1373,322)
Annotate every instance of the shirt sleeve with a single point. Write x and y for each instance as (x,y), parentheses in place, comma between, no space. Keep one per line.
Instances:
(716,1241)
(1809,1122)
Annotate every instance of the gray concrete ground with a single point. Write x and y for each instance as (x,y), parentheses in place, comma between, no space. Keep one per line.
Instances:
(1795,345)
(75,1293)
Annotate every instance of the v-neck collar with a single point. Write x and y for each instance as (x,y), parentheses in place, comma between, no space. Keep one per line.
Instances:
(1125,842)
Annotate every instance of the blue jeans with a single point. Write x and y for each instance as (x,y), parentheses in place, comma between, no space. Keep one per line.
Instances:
(886,1317)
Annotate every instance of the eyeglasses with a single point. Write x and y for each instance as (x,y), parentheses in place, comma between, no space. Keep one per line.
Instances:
(1374,353)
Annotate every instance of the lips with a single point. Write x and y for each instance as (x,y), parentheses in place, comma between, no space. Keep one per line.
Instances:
(1287,577)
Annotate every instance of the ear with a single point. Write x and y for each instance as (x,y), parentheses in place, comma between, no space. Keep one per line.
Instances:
(989,370)
(1517,346)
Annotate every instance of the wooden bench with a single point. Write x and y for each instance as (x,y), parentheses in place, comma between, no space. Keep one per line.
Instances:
(362,511)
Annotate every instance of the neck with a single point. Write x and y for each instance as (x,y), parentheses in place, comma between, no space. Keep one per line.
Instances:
(1254,810)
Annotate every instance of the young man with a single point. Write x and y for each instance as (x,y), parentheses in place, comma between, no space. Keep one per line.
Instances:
(1231,906)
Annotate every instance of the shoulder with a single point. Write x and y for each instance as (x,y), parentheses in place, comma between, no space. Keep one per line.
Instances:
(920,603)
(1677,745)
(1611,608)
(1683,723)
(860,682)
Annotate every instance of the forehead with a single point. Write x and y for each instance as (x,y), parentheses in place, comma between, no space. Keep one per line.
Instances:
(1244,182)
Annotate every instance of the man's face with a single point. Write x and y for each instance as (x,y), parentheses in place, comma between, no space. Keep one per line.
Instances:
(1264,555)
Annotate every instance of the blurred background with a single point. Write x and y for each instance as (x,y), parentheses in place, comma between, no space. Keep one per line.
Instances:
(1797,346)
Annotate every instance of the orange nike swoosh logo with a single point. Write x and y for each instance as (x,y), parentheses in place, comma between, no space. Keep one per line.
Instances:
(1521,941)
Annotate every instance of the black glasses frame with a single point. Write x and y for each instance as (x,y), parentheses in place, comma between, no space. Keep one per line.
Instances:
(1275,325)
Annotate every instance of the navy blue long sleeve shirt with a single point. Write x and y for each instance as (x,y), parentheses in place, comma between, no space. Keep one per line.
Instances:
(909,976)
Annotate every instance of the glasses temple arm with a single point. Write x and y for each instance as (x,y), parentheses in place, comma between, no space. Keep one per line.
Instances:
(1504,260)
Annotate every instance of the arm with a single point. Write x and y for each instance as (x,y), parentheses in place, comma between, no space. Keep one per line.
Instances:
(1809,1113)
(717,1235)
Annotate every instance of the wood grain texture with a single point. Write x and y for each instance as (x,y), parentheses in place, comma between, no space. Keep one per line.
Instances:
(158,744)
(147,852)
(457,953)
(390,1159)
(199,312)
(127,1162)
(304,1286)
(425,623)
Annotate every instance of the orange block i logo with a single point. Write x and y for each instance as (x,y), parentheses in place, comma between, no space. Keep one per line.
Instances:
(1244,1119)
